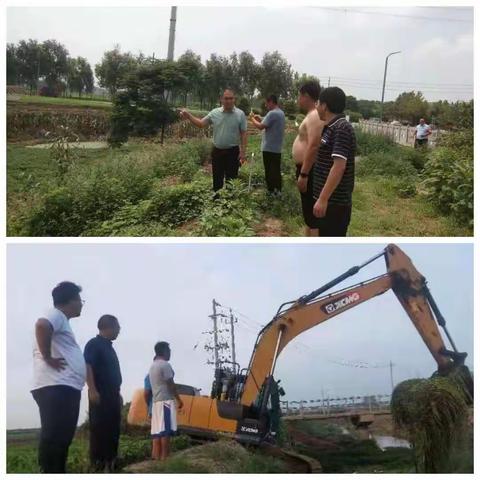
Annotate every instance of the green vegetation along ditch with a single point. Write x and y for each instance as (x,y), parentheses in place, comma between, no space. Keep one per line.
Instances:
(145,189)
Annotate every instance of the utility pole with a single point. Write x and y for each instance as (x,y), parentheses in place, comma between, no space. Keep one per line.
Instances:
(328,81)
(171,38)
(215,332)
(384,80)
(391,374)
(232,334)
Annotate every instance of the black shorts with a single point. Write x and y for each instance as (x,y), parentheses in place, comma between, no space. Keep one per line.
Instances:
(308,201)
(420,142)
(335,222)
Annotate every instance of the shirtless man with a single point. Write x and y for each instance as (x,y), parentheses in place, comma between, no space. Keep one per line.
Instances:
(304,152)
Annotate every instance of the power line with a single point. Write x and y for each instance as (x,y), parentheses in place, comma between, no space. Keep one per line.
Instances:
(395,82)
(398,15)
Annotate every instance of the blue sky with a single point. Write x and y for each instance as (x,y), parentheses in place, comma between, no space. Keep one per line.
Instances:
(164,292)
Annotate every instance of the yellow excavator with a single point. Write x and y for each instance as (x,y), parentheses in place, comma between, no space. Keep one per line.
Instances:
(245,404)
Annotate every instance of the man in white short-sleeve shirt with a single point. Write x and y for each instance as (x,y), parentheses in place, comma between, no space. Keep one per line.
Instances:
(59,376)
(422,132)
(165,401)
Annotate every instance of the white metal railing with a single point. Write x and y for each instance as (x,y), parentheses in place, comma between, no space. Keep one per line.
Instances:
(331,406)
(401,134)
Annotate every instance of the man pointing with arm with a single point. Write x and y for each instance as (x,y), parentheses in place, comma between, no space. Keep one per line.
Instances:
(229,137)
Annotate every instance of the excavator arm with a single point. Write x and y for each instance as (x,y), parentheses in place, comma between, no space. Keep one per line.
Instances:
(402,278)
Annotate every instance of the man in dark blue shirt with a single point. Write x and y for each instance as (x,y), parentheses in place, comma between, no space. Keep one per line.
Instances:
(104,401)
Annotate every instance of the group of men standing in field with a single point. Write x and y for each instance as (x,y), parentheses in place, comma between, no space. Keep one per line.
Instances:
(61,370)
(323,152)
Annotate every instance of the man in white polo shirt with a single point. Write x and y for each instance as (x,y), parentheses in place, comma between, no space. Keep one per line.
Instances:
(422,132)
(59,376)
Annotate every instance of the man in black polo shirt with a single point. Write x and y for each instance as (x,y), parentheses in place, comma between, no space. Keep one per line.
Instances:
(334,170)
(104,401)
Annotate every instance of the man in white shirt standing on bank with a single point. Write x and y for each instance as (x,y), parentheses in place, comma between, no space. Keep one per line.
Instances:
(422,132)
(59,376)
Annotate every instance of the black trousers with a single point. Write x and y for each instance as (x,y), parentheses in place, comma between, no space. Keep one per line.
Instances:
(225,165)
(104,422)
(59,406)
(420,142)
(308,201)
(336,221)
(273,175)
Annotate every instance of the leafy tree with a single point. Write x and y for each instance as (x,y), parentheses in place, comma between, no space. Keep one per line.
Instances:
(410,106)
(142,108)
(114,68)
(79,76)
(368,108)
(12,65)
(458,115)
(247,71)
(351,104)
(275,76)
(190,65)
(74,81)
(28,55)
(298,80)
(54,64)
(216,77)
(87,76)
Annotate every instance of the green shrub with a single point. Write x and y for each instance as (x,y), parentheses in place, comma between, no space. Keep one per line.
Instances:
(354,116)
(416,157)
(174,205)
(290,108)
(368,143)
(232,213)
(56,216)
(388,164)
(448,181)
(406,186)
(89,196)
(183,161)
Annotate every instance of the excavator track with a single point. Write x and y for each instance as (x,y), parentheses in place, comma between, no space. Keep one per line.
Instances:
(299,463)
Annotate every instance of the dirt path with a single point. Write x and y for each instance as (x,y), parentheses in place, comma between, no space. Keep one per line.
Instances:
(270,227)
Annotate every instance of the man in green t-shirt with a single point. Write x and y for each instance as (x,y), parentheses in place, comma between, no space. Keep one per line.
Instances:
(229,137)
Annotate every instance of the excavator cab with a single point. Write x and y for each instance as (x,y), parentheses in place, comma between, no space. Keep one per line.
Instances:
(262,419)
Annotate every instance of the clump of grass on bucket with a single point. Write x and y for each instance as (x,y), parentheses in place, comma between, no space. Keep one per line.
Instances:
(434,412)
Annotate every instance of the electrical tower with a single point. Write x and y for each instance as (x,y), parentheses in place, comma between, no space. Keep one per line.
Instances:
(222,337)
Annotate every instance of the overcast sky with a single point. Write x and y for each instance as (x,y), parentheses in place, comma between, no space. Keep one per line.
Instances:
(165,292)
(348,44)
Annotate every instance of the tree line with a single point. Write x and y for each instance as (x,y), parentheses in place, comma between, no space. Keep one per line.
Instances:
(31,63)
(189,81)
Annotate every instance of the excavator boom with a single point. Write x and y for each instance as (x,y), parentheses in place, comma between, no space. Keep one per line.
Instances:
(402,277)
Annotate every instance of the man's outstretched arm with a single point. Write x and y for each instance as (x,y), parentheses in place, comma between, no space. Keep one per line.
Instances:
(198,122)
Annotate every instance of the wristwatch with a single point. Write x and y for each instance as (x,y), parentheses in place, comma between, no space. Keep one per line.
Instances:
(304,175)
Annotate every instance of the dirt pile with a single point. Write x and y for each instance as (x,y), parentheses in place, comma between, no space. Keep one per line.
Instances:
(224,456)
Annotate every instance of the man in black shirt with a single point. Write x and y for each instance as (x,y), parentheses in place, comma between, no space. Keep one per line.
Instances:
(334,169)
(104,401)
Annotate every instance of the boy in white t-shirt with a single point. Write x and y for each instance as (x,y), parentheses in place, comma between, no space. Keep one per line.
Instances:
(59,376)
